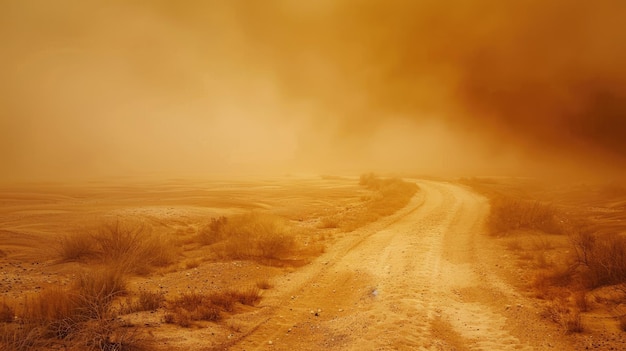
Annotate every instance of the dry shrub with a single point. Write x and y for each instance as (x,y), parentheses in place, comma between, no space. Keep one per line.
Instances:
(129,246)
(330,222)
(110,335)
(79,318)
(14,337)
(560,313)
(509,214)
(150,301)
(194,306)
(602,259)
(76,247)
(133,247)
(96,291)
(550,283)
(213,232)
(580,300)
(250,236)
(190,307)
(264,284)
(572,322)
(7,313)
(247,296)
(145,301)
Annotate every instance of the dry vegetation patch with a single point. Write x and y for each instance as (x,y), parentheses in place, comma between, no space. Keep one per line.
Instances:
(81,317)
(257,236)
(128,246)
(587,253)
(510,214)
(191,307)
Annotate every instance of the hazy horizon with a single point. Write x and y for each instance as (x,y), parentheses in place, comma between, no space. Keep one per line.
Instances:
(133,88)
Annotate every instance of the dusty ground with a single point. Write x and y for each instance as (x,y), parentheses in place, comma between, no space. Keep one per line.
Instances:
(425,278)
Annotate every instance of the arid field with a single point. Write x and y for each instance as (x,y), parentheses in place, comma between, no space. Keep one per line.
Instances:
(308,263)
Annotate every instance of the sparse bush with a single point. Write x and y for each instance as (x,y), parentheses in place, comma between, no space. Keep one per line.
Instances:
(510,214)
(329,222)
(150,301)
(96,291)
(14,337)
(7,313)
(76,246)
(580,300)
(560,313)
(548,282)
(145,301)
(81,317)
(602,260)
(264,284)
(193,306)
(572,322)
(248,296)
(251,236)
(213,232)
(130,247)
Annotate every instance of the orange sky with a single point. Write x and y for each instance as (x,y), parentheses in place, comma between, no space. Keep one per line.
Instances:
(110,88)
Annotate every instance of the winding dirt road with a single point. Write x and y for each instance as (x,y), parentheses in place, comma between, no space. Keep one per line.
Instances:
(425,278)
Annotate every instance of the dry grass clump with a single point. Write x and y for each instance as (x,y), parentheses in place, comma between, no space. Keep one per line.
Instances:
(7,313)
(569,318)
(602,259)
(129,246)
(257,236)
(264,284)
(81,317)
(193,306)
(213,232)
(330,222)
(144,301)
(509,214)
(21,338)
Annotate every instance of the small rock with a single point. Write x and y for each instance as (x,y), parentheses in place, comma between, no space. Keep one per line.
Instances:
(270,342)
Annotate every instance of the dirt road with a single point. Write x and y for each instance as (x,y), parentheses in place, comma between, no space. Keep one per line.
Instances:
(425,278)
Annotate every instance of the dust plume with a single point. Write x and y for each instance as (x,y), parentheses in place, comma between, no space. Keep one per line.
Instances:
(202,87)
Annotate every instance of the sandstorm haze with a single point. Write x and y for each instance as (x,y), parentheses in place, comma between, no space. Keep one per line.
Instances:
(143,88)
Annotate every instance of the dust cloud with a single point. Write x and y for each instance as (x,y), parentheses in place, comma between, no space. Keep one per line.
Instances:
(145,88)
